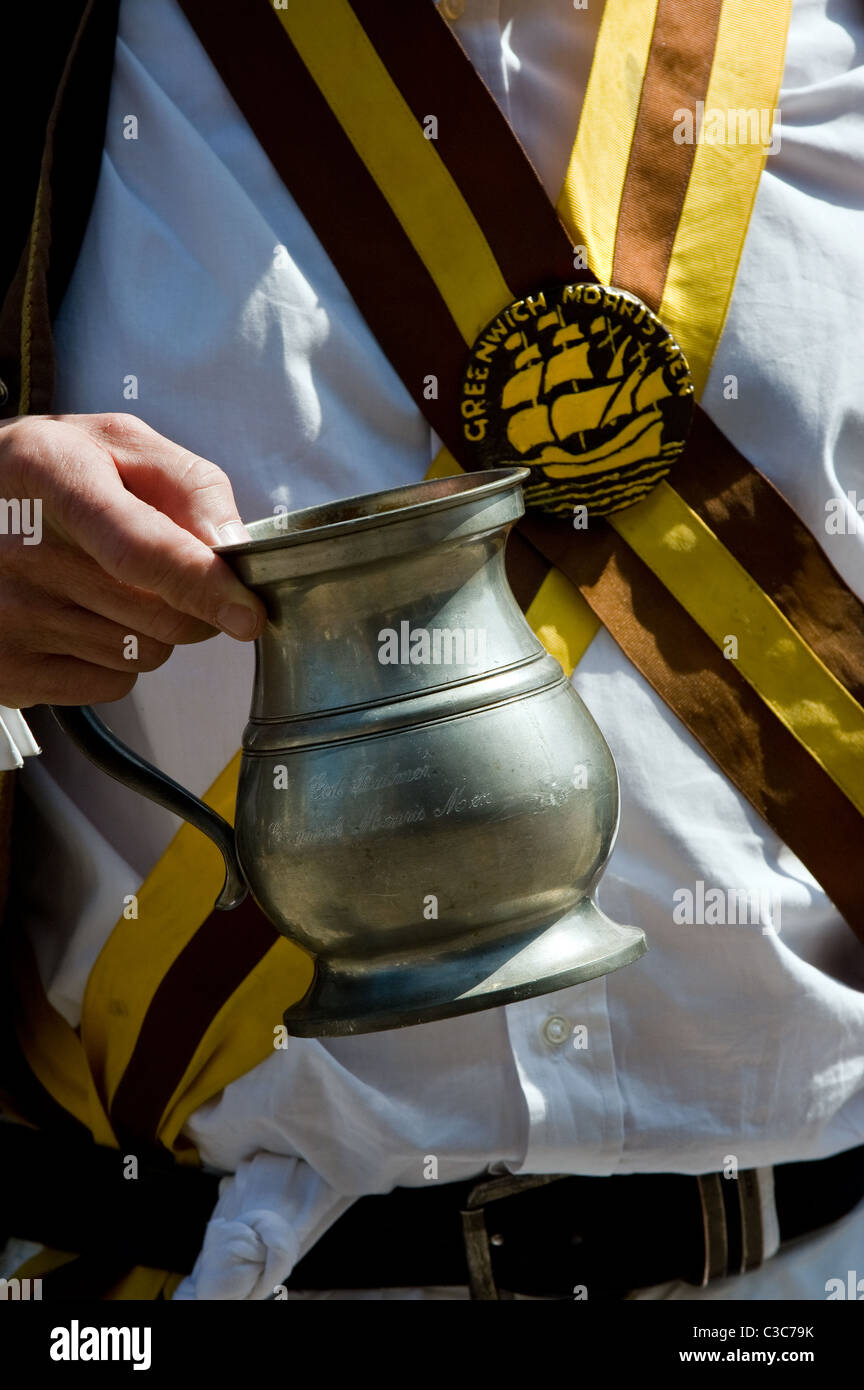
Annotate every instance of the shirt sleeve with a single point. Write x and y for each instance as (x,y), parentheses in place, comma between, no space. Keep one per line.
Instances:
(16,740)
(269,1213)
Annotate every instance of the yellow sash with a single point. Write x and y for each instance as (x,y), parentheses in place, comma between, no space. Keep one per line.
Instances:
(82,1070)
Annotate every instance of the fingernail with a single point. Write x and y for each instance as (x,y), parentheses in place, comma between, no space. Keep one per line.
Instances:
(238,621)
(232,533)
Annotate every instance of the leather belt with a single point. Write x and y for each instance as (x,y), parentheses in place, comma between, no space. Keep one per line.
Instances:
(565,1236)
(555,1236)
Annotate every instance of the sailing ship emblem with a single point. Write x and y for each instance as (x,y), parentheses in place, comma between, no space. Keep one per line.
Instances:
(584,385)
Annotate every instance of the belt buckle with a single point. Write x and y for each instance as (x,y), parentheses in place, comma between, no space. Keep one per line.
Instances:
(745,1211)
(478,1253)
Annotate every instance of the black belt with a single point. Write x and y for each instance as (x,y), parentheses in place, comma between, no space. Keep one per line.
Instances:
(558,1237)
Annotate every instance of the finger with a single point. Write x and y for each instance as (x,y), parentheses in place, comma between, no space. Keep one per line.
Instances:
(36,623)
(95,640)
(141,546)
(27,680)
(66,572)
(193,491)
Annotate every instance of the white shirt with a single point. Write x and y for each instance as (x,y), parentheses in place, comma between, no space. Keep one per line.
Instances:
(722,1039)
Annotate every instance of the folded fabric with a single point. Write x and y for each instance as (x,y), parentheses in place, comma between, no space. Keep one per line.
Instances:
(16,740)
(269,1213)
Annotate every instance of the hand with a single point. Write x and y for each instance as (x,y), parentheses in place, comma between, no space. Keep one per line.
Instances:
(121,522)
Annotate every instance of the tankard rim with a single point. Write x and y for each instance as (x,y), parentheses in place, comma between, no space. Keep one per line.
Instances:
(308,524)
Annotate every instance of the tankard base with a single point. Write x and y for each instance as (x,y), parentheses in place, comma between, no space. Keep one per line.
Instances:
(358,996)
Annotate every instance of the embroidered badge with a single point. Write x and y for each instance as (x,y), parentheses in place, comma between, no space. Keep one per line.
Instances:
(584,385)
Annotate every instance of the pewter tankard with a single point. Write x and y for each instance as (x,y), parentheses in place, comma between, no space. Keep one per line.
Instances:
(425,805)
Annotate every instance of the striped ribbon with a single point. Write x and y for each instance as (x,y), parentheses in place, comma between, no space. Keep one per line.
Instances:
(433,238)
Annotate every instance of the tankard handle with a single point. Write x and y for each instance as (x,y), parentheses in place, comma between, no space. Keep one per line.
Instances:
(111,755)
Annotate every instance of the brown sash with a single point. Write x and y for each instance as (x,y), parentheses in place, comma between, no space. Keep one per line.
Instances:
(392,287)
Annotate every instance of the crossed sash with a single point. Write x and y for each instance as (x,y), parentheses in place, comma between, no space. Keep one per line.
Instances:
(433,237)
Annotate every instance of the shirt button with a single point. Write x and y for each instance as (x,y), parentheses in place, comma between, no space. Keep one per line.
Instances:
(452,9)
(556,1030)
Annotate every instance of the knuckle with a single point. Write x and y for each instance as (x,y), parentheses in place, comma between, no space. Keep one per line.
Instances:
(183,577)
(30,427)
(121,426)
(197,474)
(28,443)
